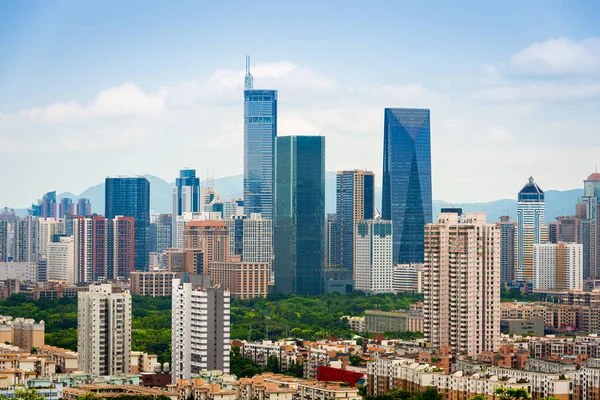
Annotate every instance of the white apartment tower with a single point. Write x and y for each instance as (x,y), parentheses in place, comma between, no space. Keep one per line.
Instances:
(461,283)
(48,227)
(373,256)
(104,331)
(558,266)
(27,238)
(258,240)
(60,264)
(200,330)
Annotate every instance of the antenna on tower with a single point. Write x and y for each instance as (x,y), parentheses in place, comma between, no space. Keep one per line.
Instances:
(248,79)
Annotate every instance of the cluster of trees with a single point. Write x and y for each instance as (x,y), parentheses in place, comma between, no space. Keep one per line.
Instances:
(245,368)
(277,316)
(399,394)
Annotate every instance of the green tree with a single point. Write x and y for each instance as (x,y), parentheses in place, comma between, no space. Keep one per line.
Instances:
(512,393)
(273,364)
(355,359)
(398,394)
(28,394)
(479,397)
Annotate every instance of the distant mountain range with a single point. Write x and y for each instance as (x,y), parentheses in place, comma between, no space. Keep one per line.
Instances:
(557,202)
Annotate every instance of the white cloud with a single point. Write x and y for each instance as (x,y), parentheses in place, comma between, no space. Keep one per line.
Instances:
(540,91)
(559,57)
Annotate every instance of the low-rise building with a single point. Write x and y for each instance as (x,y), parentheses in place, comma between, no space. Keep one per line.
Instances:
(152,283)
(385,321)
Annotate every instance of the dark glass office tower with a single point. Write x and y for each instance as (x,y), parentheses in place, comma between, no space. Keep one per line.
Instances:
(355,201)
(260,130)
(406,193)
(299,223)
(130,197)
(186,198)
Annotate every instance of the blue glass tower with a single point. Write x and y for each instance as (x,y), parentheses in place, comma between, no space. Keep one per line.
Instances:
(260,131)
(299,223)
(406,192)
(186,198)
(130,197)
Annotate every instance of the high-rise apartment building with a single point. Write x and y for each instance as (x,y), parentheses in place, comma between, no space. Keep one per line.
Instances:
(66,207)
(589,209)
(243,280)
(104,331)
(408,278)
(558,266)
(299,222)
(373,265)
(60,260)
(235,226)
(507,249)
(4,240)
(260,131)
(27,239)
(258,240)
(200,330)
(406,192)
(355,201)
(461,283)
(160,233)
(84,207)
(46,207)
(48,227)
(211,238)
(130,197)
(186,198)
(531,209)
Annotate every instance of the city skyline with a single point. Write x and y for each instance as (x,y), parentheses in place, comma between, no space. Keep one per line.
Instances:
(537,79)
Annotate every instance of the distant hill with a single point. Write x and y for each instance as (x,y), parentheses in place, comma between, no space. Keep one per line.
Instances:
(557,202)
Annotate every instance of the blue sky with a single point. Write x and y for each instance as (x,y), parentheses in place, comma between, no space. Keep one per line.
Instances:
(90,89)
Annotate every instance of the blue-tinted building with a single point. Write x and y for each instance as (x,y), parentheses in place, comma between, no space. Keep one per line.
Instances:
(406,192)
(531,210)
(46,207)
(355,201)
(130,197)
(299,223)
(186,198)
(260,131)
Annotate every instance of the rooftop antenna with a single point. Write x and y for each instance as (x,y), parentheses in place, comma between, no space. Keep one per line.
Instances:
(248,79)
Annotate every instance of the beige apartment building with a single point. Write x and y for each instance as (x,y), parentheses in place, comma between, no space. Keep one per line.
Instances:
(461,283)
(244,280)
(211,238)
(23,333)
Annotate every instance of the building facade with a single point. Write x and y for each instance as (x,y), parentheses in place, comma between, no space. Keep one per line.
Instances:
(186,198)
(160,233)
(531,209)
(461,283)
(66,207)
(589,209)
(408,278)
(258,241)
(152,284)
(558,266)
(299,222)
(373,247)
(84,207)
(61,260)
(406,191)
(507,249)
(243,280)
(130,197)
(200,330)
(104,331)
(211,238)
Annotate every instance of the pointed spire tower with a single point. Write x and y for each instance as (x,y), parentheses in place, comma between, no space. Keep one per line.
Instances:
(248,79)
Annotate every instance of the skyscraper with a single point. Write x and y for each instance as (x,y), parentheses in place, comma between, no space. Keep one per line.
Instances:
(60,257)
(373,268)
(530,228)
(558,266)
(104,331)
(186,198)
(130,197)
(589,209)
(299,222)
(161,233)
(355,201)
(84,207)
(66,207)
(406,192)
(200,330)
(260,131)
(332,241)
(46,207)
(507,249)
(211,238)
(461,283)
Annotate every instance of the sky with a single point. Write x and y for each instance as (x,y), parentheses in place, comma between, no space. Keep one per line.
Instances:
(90,89)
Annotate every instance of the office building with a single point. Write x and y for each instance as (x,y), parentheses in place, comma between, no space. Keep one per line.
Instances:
(531,209)
(235,226)
(186,198)
(45,208)
(332,254)
(243,280)
(461,283)
(104,248)
(566,229)
(61,260)
(406,191)
(258,240)
(233,207)
(507,249)
(130,197)
(200,330)
(66,207)
(355,201)
(299,224)
(558,266)
(373,246)
(84,207)
(260,131)
(160,233)
(211,238)
(104,331)
(407,278)
(588,208)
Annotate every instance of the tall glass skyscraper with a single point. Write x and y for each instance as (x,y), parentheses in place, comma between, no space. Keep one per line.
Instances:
(299,224)
(531,209)
(186,198)
(406,192)
(355,201)
(260,131)
(130,197)
(588,208)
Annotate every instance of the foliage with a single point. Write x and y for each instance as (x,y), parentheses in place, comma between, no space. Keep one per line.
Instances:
(294,369)
(512,393)
(242,367)
(26,394)
(399,394)
(355,359)
(273,365)
(515,294)
(479,397)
